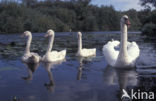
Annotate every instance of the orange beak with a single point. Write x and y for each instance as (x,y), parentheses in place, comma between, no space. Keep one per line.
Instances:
(46,35)
(128,23)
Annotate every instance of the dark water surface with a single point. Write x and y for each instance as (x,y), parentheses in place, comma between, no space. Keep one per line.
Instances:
(91,80)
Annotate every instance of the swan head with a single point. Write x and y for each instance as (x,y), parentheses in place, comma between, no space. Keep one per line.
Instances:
(26,33)
(125,20)
(50,32)
(79,34)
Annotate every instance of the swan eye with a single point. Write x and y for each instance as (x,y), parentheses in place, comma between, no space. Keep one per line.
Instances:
(25,34)
(126,19)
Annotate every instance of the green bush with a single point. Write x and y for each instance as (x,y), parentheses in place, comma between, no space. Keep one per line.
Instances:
(77,15)
(149,29)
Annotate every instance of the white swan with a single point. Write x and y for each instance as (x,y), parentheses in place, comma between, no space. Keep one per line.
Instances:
(52,56)
(29,57)
(84,52)
(128,53)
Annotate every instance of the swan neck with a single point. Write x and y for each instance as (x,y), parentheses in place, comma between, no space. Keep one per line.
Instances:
(123,46)
(27,49)
(50,45)
(79,44)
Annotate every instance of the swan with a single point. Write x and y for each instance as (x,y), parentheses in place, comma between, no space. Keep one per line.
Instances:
(29,57)
(52,56)
(84,52)
(128,51)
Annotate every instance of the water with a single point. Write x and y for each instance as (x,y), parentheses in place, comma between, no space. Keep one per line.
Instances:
(71,80)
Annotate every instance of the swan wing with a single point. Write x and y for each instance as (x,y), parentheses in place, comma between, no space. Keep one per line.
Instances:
(88,52)
(31,58)
(54,56)
(63,53)
(58,54)
(37,58)
(35,54)
(110,52)
(25,57)
(133,51)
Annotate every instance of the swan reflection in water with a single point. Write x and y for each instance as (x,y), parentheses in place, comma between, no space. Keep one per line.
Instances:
(79,74)
(31,67)
(122,77)
(81,65)
(48,66)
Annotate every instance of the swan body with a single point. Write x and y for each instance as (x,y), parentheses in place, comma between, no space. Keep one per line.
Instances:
(84,52)
(29,57)
(52,56)
(128,51)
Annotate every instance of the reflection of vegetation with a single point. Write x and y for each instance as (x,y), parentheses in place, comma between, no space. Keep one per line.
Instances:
(8,69)
(38,16)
